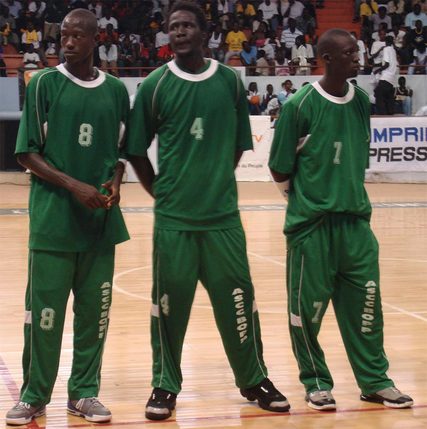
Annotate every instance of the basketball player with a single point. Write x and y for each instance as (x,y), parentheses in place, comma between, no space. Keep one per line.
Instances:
(198,109)
(68,138)
(318,158)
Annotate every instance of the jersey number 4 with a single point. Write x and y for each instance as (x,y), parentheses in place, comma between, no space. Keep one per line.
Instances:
(196,129)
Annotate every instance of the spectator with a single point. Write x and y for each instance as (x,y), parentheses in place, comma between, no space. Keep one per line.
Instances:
(31,59)
(289,35)
(51,47)
(286,92)
(292,9)
(254,99)
(262,65)
(384,91)
(31,36)
(224,10)
(7,28)
(147,54)
(108,54)
(419,66)
(215,43)
(270,13)
(3,71)
(164,54)
(109,33)
(245,8)
(36,10)
(281,64)
(363,58)
(269,95)
(302,56)
(381,17)
(95,7)
(417,35)
(127,57)
(55,13)
(248,57)
(14,7)
(273,107)
(414,16)
(368,8)
(271,45)
(375,35)
(108,19)
(396,10)
(398,37)
(403,97)
(377,50)
(234,42)
(305,22)
(162,37)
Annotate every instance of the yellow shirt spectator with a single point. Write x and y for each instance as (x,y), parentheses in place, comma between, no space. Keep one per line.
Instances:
(249,10)
(235,40)
(366,10)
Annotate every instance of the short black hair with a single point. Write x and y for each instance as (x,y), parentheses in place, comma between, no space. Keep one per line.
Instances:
(190,7)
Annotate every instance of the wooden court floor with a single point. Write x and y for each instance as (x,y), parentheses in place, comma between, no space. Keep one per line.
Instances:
(209,398)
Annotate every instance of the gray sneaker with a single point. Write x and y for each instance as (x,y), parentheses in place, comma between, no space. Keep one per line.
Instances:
(390,397)
(321,400)
(22,413)
(89,408)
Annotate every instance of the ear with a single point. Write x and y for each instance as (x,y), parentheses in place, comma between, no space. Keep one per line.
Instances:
(326,57)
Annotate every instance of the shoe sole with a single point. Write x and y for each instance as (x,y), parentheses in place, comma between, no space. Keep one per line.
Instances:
(151,414)
(24,421)
(386,403)
(327,407)
(264,406)
(93,419)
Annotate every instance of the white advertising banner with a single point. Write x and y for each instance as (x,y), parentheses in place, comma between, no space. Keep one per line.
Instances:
(398,144)
(253,165)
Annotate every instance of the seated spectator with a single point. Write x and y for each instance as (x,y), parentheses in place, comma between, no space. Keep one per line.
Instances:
(292,9)
(257,20)
(109,33)
(164,54)
(245,8)
(162,37)
(398,37)
(14,7)
(414,16)
(234,41)
(133,37)
(375,35)
(36,10)
(95,6)
(7,29)
(305,22)
(302,56)
(403,97)
(51,47)
(396,10)
(419,65)
(215,43)
(289,35)
(254,99)
(108,55)
(147,54)
(417,35)
(269,95)
(367,9)
(127,57)
(272,43)
(270,13)
(262,65)
(422,3)
(381,18)
(108,19)
(281,64)
(286,93)
(31,59)
(224,11)
(260,35)
(30,36)
(248,57)
(55,13)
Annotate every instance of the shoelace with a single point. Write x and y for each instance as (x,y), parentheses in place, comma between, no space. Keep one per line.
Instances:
(93,401)
(22,405)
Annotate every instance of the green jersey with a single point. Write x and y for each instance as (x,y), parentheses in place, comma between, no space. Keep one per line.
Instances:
(322,142)
(201,120)
(75,125)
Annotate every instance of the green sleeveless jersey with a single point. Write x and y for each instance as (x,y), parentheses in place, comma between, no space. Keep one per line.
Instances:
(322,142)
(200,120)
(75,126)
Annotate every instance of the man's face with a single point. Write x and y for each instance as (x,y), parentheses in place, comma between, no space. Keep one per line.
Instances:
(185,35)
(344,60)
(77,42)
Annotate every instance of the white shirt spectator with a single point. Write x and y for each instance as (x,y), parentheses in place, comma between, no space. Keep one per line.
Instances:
(14,7)
(29,59)
(161,39)
(36,44)
(411,18)
(268,11)
(391,7)
(362,52)
(377,20)
(102,23)
(296,9)
(110,55)
(376,46)
(389,74)
(288,38)
(32,7)
(96,8)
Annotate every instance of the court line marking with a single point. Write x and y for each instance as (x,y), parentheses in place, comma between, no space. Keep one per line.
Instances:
(398,310)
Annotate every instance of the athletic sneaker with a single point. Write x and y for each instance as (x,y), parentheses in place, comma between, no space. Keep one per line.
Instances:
(390,397)
(160,405)
(89,408)
(321,400)
(22,413)
(268,397)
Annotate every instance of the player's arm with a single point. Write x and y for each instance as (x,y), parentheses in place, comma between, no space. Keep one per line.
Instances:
(144,171)
(88,195)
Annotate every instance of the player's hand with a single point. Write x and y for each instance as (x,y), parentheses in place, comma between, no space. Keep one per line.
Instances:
(113,197)
(89,196)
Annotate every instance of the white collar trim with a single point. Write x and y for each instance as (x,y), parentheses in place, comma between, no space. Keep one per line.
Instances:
(84,83)
(213,66)
(337,100)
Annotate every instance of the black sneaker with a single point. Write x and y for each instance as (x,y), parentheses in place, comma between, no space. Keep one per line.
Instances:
(160,405)
(321,400)
(268,397)
(390,397)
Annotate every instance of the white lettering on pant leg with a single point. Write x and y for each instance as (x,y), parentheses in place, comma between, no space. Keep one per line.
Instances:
(368,315)
(105,307)
(241,320)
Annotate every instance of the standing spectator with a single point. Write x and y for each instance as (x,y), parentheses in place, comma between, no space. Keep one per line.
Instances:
(414,16)
(419,65)
(108,54)
(377,49)
(384,91)
(234,41)
(318,159)
(75,221)
(108,19)
(289,36)
(198,233)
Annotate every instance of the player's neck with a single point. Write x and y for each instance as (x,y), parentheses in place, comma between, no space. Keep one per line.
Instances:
(191,64)
(334,86)
(83,71)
